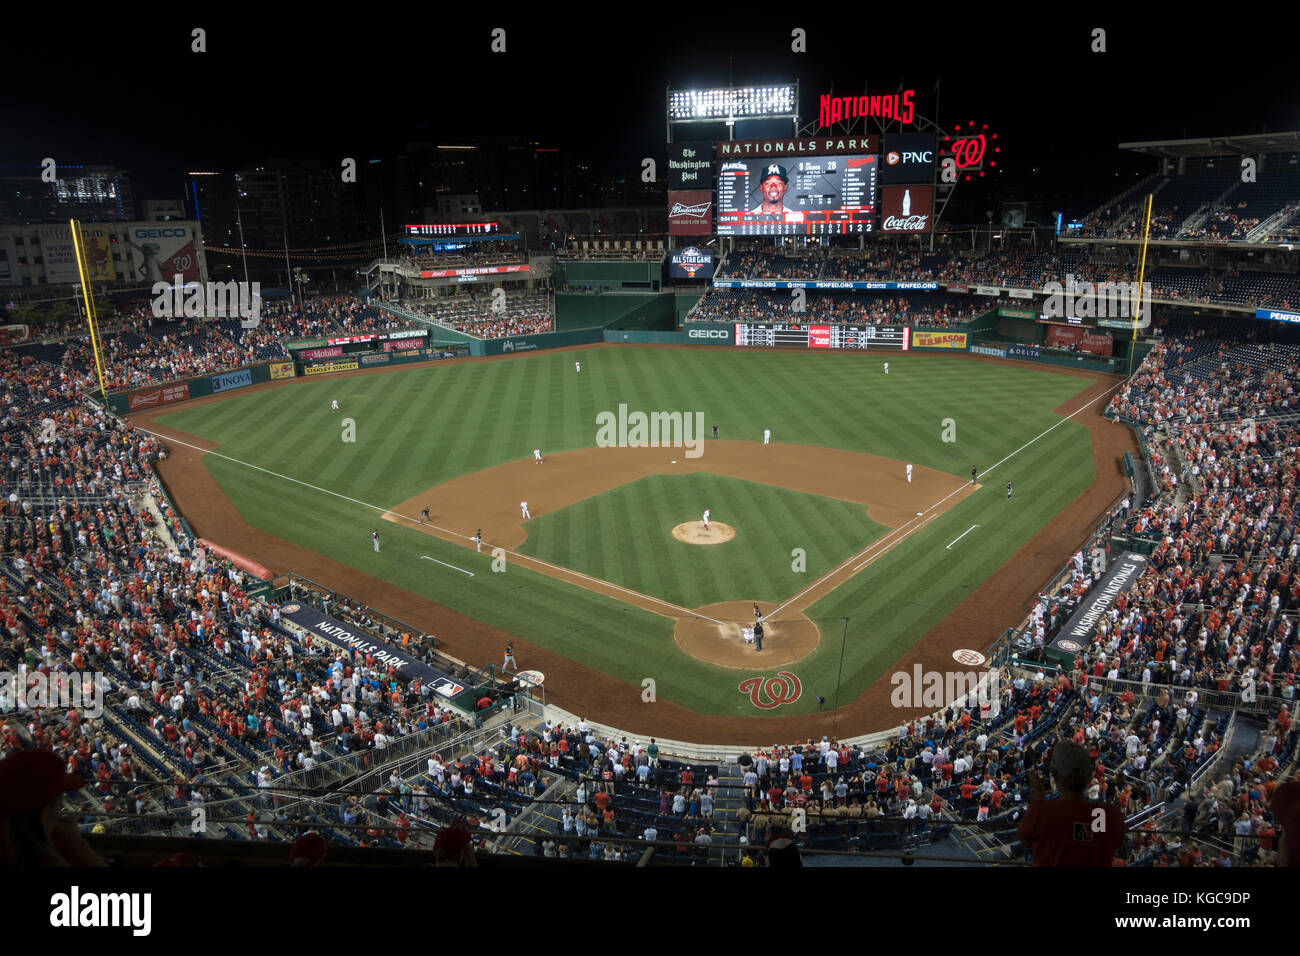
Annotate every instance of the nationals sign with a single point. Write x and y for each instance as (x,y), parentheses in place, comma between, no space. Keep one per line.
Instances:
(771,693)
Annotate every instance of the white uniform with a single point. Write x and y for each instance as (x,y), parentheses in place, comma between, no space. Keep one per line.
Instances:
(375,537)
(537,455)
(578,366)
(707,512)
(886,368)
(767,436)
(334,405)
(909,474)
(523,507)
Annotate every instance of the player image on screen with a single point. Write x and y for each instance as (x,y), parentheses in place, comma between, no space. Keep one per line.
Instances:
(814,195)
(772,188)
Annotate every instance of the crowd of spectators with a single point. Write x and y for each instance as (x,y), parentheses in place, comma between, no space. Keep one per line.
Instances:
(478,314)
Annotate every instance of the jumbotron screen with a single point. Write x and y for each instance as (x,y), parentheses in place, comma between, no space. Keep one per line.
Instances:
(813,196)
(824,336)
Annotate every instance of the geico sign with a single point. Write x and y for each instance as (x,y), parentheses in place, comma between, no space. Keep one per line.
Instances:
(707,334)
(161,233)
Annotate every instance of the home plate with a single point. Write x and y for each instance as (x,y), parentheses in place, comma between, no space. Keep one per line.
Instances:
(920,513)
(674,461)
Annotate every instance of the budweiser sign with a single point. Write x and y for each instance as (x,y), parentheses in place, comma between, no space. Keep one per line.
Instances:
(690,212)
(699,211)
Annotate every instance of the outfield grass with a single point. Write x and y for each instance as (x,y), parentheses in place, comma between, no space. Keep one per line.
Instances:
(624,536)
(416,428)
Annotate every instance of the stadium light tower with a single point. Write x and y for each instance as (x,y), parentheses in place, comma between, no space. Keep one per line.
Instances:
(780,101)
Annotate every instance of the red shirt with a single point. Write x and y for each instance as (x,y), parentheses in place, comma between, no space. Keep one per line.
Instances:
(1061,832)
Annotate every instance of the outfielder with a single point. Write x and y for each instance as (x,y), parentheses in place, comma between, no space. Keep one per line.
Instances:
(886,368)
(334,405)
(1008,489)
(374,535)
(537,456)
(707,512)
(523,507)
(767,436)
(578,366)
(909,474)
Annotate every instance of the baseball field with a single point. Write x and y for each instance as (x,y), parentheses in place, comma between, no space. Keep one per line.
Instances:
(595,589)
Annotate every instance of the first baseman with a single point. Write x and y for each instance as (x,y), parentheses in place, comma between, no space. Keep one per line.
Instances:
(523,507)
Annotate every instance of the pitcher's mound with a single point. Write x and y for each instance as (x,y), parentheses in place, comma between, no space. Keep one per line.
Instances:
(692,532)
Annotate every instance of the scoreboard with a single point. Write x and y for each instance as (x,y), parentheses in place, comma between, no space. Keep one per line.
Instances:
(819,196)
(824,336)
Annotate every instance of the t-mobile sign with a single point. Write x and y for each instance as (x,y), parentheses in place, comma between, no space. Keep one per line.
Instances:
(906,208)
(690,212)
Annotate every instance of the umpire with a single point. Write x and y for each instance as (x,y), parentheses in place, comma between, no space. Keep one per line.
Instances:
(758,635)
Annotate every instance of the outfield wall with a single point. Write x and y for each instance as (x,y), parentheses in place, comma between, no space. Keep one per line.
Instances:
(586,310)
(153,396)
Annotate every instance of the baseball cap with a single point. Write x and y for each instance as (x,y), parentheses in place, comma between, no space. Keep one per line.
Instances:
(1071,764)
(774,169)
(308,848)
(29,779)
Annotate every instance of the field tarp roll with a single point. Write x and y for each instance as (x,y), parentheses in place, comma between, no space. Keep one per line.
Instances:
(238,560)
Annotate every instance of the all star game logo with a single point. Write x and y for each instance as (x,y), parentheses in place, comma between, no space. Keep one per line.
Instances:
(291,609)
(692,260)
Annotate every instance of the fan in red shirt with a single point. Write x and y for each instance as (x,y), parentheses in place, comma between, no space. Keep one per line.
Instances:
(1071,831)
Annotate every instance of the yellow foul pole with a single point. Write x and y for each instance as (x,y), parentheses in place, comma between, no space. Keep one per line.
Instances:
(82,270)
(1142,271)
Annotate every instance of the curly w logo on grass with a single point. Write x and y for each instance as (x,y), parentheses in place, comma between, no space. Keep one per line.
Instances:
(784,688)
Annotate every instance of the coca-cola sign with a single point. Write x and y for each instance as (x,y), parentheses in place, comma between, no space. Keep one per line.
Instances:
(906,208)
(690,212)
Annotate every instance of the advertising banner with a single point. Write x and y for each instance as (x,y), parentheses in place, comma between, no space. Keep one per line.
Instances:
(823,284)
(152,398)
(1078,631)
(1024,351)
(988,350)
(476,271)
(58,254)
(402,344)
(1009,313)
(321,353)
(383,654)
(232,380)
(1275,316)
(938,340)
(987,290)
(281,370)
(326,367)
(161,251)
(99,253)
(957,287)
(907,158)
(690,165)
(378,359)
(1021,293)
(690,212)
(690,263)
(906,208)
(708,333)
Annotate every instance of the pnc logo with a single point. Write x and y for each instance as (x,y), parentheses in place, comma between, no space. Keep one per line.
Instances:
(784,688)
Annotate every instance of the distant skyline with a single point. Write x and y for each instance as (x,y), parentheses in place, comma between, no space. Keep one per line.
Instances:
(133,95)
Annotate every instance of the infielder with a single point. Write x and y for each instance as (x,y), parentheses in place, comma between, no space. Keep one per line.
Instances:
(374,535)
(334,405)
(767,436)
(424,516)
(537,456)
(886,368)
(974,473)
(1008,489)
(909,474)
(707,512)
(478,539)
(523,507)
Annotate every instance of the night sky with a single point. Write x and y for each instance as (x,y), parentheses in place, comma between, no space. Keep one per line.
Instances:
(592,83)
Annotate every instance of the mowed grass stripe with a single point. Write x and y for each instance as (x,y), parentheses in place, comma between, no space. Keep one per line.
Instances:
(483,417)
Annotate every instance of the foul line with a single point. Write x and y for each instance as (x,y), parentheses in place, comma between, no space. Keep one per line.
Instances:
(960,536)
(876,544)
(522,558)
(446,565)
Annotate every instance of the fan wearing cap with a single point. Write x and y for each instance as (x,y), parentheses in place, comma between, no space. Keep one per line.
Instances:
(32,834)
(1070,831)
(773,183)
